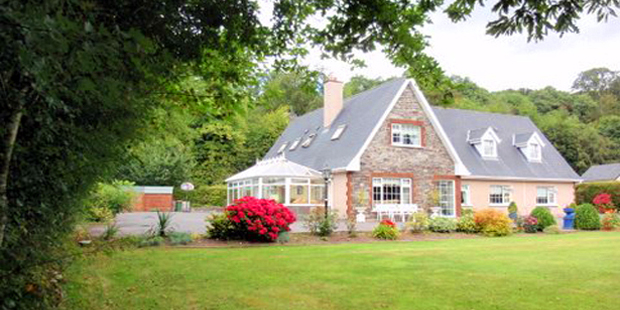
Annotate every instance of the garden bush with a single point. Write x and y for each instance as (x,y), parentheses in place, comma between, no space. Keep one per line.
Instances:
(610,221)
(418,222)
(177,238)
(442,225)
(604,203)
(220,227)
(101,214)
(530,224)
(256,219)
(493,223)
(586,192)
(552,230)
(117,196)
(587,217)
(386,230)
(204,195)
(544,217)
(466,222)
(317,224)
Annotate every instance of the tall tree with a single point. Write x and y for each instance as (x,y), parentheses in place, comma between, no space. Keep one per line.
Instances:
(360,83)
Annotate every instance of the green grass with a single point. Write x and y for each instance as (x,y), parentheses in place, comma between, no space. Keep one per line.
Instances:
(571,271)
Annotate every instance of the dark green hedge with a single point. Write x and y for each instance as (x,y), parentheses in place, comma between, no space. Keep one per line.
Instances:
(204,196)
(585,193)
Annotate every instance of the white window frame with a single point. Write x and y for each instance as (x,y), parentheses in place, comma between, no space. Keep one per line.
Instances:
(493,149)
(338,132)
(551,196)
(400,129)
(405,194)
(442,202)
(506,195)
(466,195)
(535,151)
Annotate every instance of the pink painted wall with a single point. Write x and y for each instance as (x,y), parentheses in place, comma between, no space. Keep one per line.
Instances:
(338,193)
(523,193)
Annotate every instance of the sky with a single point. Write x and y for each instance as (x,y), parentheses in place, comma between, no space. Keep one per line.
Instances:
(508,62)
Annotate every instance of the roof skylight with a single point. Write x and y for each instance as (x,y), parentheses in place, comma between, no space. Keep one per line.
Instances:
(295,144)
(282,148)
(339,132)
(309,140)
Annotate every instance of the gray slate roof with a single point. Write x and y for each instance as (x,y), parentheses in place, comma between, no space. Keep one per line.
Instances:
(363,111)
(523,137)
(609,172)
(511,162)
(360,113)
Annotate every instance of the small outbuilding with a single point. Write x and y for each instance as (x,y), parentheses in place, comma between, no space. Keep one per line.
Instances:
(602,173)
(149,198)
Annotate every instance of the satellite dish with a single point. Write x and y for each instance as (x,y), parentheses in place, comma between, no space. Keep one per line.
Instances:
(187,186)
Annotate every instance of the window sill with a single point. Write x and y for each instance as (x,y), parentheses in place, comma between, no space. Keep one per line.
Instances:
(549,205)
(467,205)
(499,205)
(408,146)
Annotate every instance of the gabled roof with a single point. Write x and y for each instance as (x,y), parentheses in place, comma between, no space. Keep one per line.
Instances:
(276,167)
(360,113)
(510,163)
(522,139)
(609,172)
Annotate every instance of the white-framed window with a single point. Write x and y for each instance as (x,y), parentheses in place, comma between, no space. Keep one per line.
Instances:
(240,189)
(282,148)
(274,188)
(445,190)
(489,148)
(391,191)
(295,144)
(546,195)
(406,135)
(338,132)
(309,140)
(499,195)
(465,195)
(535,151)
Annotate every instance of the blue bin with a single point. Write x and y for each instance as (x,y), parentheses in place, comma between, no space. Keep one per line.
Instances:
(569,218)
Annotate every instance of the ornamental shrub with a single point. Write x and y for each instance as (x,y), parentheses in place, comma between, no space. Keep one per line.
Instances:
(317,224)
(442,224)
(116,196)
(256,219)
(586,192)
(610,221)
(512,208)
(466,222)
(530,224)
(544,217)
(418,222)
(219,227)
(603,202)
(552,230)
(493,223)
(587,217)
(204,195)
(386,230)
(177,238)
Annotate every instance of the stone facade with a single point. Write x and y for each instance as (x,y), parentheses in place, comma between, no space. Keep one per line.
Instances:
(423,164)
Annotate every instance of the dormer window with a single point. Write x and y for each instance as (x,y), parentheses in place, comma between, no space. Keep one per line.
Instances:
(485,140)
(489,148)
(530,144)
(282,148)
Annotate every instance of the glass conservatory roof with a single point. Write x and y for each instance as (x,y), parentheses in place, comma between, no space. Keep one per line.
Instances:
(276,167)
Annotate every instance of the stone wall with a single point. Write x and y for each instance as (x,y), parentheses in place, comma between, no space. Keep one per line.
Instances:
(423,164)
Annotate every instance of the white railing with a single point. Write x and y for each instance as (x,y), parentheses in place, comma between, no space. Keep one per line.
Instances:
(394,210)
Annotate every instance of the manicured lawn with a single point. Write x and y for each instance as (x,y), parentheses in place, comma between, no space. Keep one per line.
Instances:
(571,271)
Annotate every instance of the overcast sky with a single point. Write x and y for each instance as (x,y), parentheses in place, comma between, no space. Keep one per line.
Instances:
(502,63)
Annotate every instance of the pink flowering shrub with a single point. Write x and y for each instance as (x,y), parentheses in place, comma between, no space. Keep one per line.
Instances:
(603,202)
(259,219)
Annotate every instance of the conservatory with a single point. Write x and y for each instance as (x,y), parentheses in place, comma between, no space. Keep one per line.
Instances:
(286,182)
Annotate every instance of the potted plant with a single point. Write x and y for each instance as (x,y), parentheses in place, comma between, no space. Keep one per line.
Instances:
(362,203)
(433,197)
(512,211)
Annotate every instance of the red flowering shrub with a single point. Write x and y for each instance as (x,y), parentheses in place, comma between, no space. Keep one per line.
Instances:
(259,219)
(386,230)
(531,224)
(603,202)
(388,223)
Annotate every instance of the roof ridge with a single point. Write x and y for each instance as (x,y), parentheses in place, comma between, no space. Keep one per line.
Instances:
(480,112)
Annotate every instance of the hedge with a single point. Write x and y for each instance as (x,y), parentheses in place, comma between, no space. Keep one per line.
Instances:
(204,195)
(585,193)
(587,217)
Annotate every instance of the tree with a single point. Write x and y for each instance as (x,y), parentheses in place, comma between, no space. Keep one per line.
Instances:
(301,91)
(609,126)
(360,83)
(596,80)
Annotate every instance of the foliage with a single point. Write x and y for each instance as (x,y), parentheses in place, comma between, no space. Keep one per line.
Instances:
(386,230)
(110,232)
(204,195)
(586,192)
(256,219)
(552,230)
(317,224)
(360,83)
(493,223)
(418,222)
(177,238)
(530,225)
(466,222)
(442,224)
(116,196)
(219,226)
(351,227)
(512,207)
(299,90)
(603,202)
(587,217)
(610,221)
(544,216)
(163,227)
(99,214)
(151,241)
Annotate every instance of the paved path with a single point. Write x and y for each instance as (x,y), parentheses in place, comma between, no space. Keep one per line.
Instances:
(136,223)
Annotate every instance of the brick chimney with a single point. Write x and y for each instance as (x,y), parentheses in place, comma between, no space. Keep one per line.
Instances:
(332,100)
